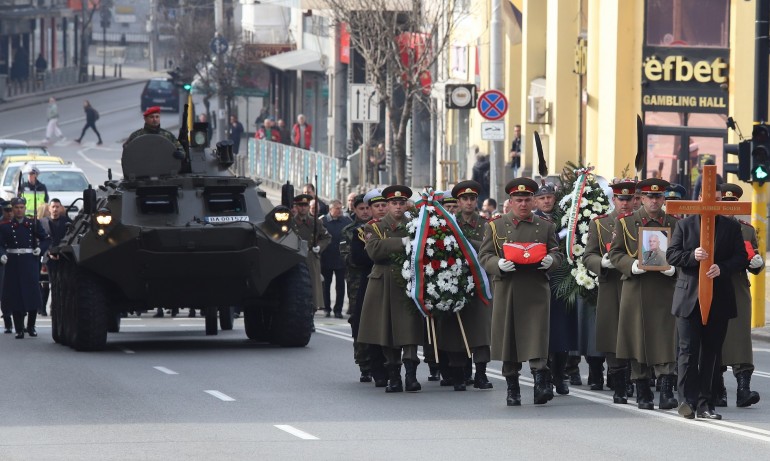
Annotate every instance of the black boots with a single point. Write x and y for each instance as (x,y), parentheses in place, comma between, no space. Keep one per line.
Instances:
(618,378)
(745,396)
(434,372)
(513,397)
(379,374)
(629,382)
(468,372)
(543,391)
(667,400)
(595,373)
(394,384)
(719,391)
(558,362)
(644,396)
(480,380)
(8,323)
(366,376)
(410,378)
(458,375)
(18,322)
(31,317)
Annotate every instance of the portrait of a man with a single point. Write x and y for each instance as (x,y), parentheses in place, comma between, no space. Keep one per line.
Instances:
(654,244)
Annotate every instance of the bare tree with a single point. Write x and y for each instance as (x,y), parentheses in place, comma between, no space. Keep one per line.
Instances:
(400,41)
(89,8)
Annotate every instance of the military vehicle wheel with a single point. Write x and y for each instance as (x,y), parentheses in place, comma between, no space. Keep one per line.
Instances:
(255,324)
(113,322)
(211,321)
(226,317)
(85,318)
(291,316)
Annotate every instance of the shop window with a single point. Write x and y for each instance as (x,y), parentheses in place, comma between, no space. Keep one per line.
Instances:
(664,118)
(688,23)
(707,120)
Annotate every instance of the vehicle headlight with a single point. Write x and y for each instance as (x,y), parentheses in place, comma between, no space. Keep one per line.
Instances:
(282,216)
(104,217)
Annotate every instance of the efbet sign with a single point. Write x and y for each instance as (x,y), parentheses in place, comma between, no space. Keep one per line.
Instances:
(685,79)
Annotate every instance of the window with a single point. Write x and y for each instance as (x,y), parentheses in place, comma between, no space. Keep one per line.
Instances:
(688,23)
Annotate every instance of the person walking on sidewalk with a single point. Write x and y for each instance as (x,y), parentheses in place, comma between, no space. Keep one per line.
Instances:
(91,117)
(53,121)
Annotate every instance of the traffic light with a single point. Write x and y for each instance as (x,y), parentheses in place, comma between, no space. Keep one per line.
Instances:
(178,79)
(743,167)
(760,153)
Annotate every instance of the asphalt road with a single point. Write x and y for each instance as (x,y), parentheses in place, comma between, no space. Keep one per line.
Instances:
(163,390)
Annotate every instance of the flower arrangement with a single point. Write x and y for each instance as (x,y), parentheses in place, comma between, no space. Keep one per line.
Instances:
(440,266)
(583,201)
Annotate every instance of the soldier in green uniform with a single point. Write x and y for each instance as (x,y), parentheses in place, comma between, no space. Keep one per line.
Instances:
(597,260)
(362,214)
(311,230)
(646,333)
(388,317)
(521,299)
(736,350)
(476,316)
(152,126)
(450,203)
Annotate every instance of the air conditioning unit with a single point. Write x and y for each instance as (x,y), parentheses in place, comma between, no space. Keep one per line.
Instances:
(537,109)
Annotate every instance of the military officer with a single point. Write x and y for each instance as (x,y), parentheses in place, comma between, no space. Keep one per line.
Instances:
(22,241)
(597,260)
(388,317)
(737,351)
(675,192)
(646,332)
(311,230)
(520,305)
(152,126)
(450,203)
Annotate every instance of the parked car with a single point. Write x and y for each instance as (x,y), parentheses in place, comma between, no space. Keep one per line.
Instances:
(11,151)
(10,165)
(160,92)
(65,182)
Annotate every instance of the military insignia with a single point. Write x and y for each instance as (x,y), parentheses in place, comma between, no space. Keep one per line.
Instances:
(626,192)
(729,194)
(397,193)
(654,187)
(522,187)
(368,235)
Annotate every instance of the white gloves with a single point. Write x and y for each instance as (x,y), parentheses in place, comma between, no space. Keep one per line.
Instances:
(546,262)
(606,263)
(405,240)
(756,262)
(3,259)
(505,265)
(316,249)
(36,252)
(635,268)
(670,271)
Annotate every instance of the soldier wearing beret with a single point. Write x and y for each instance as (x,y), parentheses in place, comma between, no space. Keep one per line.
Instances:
(737,351)
(22,241)
(311,230)
(388,317)
(646,333)
(152,126)
(597,260)
(520,305)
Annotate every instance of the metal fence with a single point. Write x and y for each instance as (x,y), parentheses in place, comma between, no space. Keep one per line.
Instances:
(276,163)
(48,80)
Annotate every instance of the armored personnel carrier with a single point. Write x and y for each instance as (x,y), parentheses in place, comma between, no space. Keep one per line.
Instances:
(179,230)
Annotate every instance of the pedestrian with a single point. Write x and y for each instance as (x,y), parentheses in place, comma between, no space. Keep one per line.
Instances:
(152,126)
(350,211)
(515,153)
(697,186)
(236,131)
(522,295)
(41,65)
(283,128)
(387,319)
(489,208)
(52,129)
(481,174)
(55,225)
(302,133)
(699,344)
(597,260)
(268,131)
(377,163)
(22,241)
(33,191)
(312,231)
(91,117)
(332,264)
(646,334)
(323,208)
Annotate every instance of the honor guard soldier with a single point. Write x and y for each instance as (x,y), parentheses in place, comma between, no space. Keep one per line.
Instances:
(520,304)
(737,351)
(646,333)
(450,203)
(311,230)
(22,241)
(476,316)
(597,260)
(676,192)
(388,317)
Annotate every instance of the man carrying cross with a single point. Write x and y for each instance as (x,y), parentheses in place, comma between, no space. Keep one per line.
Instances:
(699,343)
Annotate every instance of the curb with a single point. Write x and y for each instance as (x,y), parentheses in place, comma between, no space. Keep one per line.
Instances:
(65,92)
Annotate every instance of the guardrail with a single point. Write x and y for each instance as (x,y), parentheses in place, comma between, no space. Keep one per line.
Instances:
(48,80)
(276,163)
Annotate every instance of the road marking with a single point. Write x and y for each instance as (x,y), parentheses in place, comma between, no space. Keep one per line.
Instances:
(71,121)
(296,432)
(166,370)
(126,350)
(335,334)
(761,349)
(763,374)
(220,396)
(87,159)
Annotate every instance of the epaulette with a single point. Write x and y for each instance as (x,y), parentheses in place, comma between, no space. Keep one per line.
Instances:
(494,218)
(625,215)
(373,221)
(746,223)
(600,216)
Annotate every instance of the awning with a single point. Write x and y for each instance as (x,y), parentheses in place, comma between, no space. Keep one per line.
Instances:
(306,60)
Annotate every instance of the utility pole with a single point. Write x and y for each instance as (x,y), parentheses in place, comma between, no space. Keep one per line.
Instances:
(152,30)
(219,24)
(496,83)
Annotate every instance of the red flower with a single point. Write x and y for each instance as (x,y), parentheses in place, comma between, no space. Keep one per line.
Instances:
(440,244)
(435,264)
(451,261)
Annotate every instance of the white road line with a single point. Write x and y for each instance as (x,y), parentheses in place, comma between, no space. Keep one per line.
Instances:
(126,350)
(220,396)
(167,371)
(88,159)
(763,374)
(761,349)
(68,122)
(190,324)
(295,432)
(335,334)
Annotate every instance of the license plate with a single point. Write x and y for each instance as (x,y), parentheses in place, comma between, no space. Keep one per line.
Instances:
(220,219)
(158,100)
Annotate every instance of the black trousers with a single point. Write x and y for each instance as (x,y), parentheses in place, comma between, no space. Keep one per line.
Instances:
(699,349)
(339,277)
(91,125)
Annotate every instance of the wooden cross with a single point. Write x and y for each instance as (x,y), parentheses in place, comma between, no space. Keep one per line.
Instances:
(708,207)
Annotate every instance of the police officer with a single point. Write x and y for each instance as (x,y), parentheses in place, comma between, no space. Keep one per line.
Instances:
(520,304)
(311,230)
(33,191)
(737,351)
(646,333)
(388,317)
(152,126)
(597,260)
(22,241)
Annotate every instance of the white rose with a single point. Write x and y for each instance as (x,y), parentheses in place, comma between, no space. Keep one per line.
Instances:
(587,213)
(429,251)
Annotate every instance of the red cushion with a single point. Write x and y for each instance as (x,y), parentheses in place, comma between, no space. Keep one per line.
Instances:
(749,249)
(524,253)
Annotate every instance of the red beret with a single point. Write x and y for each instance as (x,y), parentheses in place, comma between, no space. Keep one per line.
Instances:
(152,110)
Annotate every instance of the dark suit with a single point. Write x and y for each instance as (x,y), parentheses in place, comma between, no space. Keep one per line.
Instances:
(700,345)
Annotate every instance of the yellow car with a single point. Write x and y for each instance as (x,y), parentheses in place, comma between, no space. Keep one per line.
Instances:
(10,165)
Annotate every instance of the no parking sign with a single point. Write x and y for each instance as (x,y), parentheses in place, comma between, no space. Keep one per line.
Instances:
(492,105)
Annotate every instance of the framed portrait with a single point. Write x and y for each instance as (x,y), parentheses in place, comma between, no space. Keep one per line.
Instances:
(653,243)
